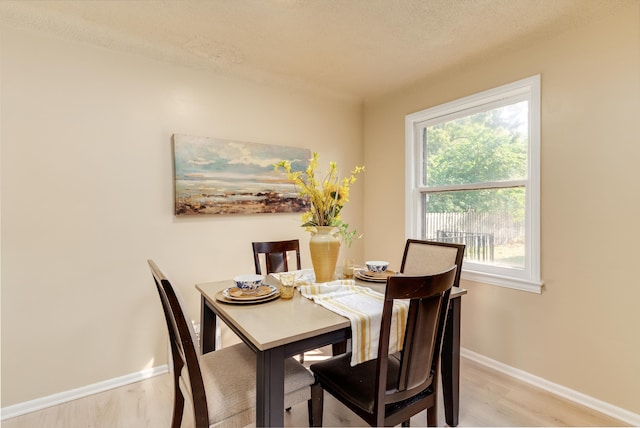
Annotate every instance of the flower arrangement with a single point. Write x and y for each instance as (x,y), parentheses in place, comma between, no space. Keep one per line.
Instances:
(327,196)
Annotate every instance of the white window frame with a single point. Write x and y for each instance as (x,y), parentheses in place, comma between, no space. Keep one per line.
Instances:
(527,278)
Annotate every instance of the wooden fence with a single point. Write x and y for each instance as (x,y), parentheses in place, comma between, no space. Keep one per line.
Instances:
(480,232)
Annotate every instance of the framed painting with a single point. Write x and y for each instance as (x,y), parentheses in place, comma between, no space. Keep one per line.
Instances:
(216,176)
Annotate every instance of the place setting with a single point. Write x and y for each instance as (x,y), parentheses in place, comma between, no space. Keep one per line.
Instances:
(376,271)
(248,289)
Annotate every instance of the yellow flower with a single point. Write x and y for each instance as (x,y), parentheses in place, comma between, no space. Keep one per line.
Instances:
(326,196)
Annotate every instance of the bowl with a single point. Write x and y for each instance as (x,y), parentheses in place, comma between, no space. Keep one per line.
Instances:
(377,265)
(248,282)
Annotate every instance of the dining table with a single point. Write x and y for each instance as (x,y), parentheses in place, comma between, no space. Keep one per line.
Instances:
(277,329)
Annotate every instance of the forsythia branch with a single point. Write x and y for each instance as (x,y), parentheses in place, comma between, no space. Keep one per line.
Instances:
(327,196)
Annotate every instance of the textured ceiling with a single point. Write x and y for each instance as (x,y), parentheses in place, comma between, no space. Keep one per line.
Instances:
(357,48)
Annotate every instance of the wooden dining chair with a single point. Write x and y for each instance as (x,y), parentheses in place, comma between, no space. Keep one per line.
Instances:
(275,253)
(276,260)
(427,257)
(392,388)
(220,386)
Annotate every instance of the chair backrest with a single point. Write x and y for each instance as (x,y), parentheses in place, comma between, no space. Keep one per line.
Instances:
(275,255)
(183,343)
(429,301)
(429,257)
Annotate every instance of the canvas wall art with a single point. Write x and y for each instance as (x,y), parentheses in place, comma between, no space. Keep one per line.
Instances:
(216,176)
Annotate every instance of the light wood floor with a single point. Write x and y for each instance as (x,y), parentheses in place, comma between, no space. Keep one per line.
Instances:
(488,398)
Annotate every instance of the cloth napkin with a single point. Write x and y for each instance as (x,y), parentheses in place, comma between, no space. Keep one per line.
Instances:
(363,307)
(303,276)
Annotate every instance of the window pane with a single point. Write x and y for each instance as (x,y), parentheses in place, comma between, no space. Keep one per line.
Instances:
(490,222)
(483,147)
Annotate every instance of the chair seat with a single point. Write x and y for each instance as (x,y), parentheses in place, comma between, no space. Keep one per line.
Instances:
(356,384)
(229,376)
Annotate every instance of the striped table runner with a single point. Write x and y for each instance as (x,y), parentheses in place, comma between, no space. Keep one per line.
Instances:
(363,307)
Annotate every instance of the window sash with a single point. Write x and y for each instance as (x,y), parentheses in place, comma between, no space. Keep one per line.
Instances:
(473,186)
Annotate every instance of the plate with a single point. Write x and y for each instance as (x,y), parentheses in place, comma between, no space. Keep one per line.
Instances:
(365,275)
(221,298)
(262,292)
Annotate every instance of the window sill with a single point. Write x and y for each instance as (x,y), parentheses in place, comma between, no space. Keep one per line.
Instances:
(503,281)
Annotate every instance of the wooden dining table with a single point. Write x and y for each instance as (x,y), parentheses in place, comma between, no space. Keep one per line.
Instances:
(278,329)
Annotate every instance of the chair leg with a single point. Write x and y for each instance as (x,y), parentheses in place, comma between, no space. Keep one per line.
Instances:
(176,421)
(316,405)
(178,406)
(432,417)
(432,412)
(407,423)
(178,398)
(301,358)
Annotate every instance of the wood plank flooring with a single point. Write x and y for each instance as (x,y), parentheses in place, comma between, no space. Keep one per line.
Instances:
(488,398)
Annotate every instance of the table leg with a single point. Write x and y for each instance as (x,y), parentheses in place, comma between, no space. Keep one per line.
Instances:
(338,348)
(270,388)
(450,363)
(207,327)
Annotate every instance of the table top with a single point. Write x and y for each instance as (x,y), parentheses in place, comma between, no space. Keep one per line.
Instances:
(279,322)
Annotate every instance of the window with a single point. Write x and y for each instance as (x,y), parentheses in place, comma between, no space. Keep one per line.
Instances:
(473,177)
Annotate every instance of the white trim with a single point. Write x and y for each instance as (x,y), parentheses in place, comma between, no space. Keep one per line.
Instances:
(534,169)
(410,166)
(503,281)
(461,106)
(554,388)
(74,394)
(575,396)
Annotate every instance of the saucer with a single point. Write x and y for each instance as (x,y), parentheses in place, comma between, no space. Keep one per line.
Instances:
(366,275)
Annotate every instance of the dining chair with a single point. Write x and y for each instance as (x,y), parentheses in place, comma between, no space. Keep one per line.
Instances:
(391,389)
(427,257)
(220,386)
(276,260)
(275,253)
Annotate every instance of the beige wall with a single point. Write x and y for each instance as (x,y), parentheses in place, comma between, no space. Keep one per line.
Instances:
(582,332)
(87,198)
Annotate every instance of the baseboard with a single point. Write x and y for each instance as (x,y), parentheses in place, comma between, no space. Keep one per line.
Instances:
(562,391)
(575,396)
(63,397)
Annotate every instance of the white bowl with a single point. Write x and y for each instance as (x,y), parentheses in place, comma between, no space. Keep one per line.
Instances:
(248,282)
(377,265)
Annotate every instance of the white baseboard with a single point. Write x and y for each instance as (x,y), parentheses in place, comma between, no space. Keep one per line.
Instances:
(562,391)
(74,394)
(575,396)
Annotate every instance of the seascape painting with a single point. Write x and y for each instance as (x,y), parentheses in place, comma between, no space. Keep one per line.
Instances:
(215,176)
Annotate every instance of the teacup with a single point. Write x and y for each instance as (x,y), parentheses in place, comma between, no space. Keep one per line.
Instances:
(377,266)
(248,283)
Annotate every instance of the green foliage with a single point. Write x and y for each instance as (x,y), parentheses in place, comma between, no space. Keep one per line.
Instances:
(484,147)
